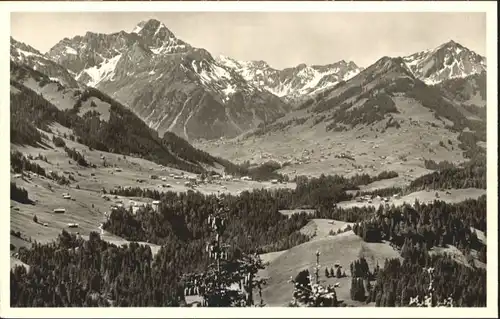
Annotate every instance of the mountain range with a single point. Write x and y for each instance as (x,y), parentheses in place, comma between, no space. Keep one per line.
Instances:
(175,87)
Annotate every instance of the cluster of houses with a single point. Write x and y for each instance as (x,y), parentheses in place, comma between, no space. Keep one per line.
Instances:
(133,205)
(369,198)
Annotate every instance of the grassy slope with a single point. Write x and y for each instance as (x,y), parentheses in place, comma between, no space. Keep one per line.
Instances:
(342,248)
(88,206)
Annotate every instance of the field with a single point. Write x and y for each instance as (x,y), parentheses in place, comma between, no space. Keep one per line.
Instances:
(342,248)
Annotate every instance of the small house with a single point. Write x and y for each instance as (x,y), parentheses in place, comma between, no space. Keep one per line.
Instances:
(118,170)
(274,181)
(156,205)
(135,208)
(59,210)
(66,196)
(72,225)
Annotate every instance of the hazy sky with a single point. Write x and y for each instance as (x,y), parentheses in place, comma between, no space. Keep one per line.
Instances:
(281,39)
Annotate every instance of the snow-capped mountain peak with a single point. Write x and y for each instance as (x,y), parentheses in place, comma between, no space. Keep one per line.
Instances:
(448,61)
(292,82)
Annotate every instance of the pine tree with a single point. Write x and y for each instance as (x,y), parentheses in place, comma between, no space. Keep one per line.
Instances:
(216,285)
(339,272)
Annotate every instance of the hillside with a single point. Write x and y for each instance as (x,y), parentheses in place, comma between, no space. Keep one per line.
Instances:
(95,119)
(176,87)
(387,115)
(22,53)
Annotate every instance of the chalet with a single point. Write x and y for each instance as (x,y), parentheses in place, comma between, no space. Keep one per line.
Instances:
(59,210)
(156,205)
(136,207)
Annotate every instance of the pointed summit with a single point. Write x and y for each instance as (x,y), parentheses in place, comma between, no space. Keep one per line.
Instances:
(155,35)
(151,27)
(447,61)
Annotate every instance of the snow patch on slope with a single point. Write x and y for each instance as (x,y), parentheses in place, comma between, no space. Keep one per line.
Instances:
(103,71)
(71,51)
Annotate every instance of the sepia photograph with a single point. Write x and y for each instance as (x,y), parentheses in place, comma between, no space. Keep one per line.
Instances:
(261,159)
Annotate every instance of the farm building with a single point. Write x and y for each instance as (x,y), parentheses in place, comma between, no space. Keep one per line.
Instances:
(154,176)
(274,181)
(118,169)
(72,225)
(66,196)
(156,205)
(59,210)
(246,178)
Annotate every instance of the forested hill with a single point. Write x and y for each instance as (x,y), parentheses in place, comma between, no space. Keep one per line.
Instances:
(122,132)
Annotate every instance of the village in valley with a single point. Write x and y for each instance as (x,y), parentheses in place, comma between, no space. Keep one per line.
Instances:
(146,172)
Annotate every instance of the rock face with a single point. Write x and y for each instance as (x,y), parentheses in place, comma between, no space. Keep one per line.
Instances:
(171,85)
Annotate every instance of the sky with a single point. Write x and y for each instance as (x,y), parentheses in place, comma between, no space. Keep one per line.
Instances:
(281,39)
